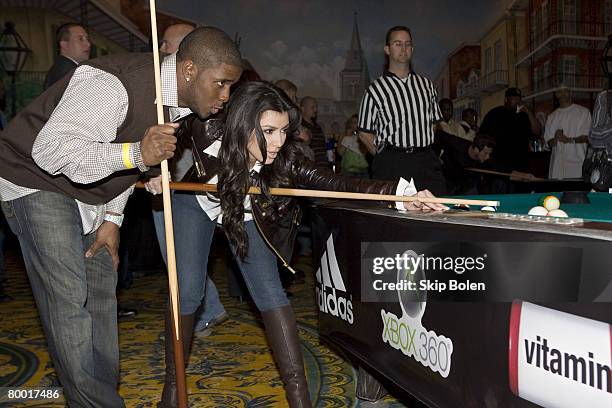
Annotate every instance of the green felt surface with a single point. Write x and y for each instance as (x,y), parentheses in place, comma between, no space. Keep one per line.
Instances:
(600,208)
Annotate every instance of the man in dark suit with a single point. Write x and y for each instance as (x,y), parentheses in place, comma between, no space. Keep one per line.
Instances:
(459,154)
(74,47)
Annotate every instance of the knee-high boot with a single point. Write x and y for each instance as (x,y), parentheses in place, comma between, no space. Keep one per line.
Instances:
(169,398)
(282,333)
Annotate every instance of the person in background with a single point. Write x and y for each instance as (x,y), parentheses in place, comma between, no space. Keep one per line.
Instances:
(354,162)
(448,124)
(318,141)
(74,47)
(459,154)
(305,136)
(397,117)
(567,135)
(289,88)
(469,123)
(513,126)
(172,37)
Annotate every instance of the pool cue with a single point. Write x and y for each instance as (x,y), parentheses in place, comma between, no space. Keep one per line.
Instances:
(179,362)
(499,173)
(296,192)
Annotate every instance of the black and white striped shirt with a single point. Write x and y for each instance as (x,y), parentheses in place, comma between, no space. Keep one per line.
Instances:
(399,111)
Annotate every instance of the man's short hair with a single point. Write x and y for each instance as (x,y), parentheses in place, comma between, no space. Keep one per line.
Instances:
(209,47)
(63,32)
(394,29)
(467,112)
(445,101)
(513,92)
(286,85)
(304,99)
(482,140)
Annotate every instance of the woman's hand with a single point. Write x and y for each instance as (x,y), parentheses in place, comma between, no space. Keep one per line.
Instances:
(420,206)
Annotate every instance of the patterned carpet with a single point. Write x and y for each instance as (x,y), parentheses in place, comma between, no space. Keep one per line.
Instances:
(230,368)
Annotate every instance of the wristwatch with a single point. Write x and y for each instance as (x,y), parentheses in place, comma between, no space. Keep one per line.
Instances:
(115,219)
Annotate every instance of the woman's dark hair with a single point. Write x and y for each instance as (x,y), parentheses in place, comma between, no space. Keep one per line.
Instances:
(244,111)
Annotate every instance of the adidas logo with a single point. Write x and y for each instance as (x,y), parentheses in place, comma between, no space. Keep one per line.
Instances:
(331,292)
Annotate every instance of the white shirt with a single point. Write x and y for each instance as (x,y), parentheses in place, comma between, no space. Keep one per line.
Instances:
(76,140)
(211,204)
(566,158)
(351,142)
(454,128)
(470,134)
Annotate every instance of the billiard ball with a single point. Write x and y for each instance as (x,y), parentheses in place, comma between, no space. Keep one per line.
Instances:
(557,213)
(488,208)
(551,203)
(538,210)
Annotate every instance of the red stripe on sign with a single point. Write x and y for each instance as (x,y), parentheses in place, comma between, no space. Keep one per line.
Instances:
(513,345)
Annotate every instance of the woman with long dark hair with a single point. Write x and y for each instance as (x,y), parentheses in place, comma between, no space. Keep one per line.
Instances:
(257,147)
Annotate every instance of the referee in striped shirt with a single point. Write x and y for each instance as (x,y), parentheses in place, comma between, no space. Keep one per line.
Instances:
(396,119)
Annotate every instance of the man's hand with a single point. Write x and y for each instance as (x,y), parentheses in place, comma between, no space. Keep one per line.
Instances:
(520,176)
(158,144)
(107,237)
(553,142)
(560,136)
(305,136)
(417,205)
(154,185)
(368,141)
(536,128)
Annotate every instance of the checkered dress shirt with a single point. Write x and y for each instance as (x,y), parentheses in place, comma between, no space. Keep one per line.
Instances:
(77,139)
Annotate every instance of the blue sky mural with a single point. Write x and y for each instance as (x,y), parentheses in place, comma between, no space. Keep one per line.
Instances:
(306,41)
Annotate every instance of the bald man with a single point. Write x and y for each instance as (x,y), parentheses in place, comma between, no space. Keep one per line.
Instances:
(173,35)
(213,311)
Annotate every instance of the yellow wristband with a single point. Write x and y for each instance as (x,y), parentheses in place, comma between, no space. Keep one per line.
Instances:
(127,160)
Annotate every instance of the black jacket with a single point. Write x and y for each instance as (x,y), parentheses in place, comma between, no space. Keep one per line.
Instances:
(277,218)
(60,68)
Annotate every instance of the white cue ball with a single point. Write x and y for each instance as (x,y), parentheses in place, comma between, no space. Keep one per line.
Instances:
(557,213)
(488,208)
(551,203)
(538,210)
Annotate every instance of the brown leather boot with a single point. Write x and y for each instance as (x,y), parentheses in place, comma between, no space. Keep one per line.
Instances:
(282,334)
(169,398)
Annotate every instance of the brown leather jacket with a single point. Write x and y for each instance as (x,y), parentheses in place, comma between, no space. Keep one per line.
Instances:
(277,219)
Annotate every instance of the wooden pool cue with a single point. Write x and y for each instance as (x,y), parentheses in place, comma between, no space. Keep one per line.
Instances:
(173,288)
(296,192)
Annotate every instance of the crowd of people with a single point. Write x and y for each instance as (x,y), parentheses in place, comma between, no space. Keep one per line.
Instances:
(70,159)
(402,128)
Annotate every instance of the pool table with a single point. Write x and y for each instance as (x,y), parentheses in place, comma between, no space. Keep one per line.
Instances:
(598,209)
(548,287)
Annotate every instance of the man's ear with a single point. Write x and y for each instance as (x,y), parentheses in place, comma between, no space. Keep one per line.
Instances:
(386,48)
(62,45)
(189,70)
